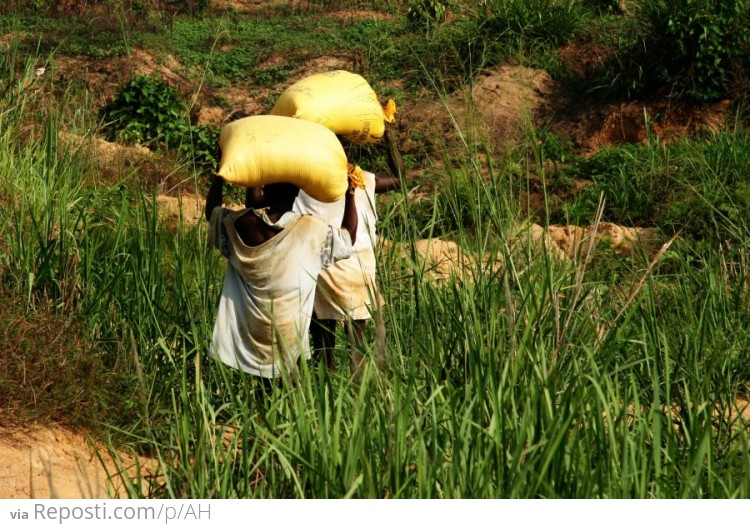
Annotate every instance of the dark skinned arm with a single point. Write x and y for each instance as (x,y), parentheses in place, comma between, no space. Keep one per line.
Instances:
(350,220)
(215,196)
(386,183)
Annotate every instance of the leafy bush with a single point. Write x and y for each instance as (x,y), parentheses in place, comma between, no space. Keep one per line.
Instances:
(696,42)
(554,147)
(691,48)
(150,112)
(145,111)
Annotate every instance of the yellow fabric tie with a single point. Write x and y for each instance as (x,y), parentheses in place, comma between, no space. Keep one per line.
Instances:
(389,112)
(357,176)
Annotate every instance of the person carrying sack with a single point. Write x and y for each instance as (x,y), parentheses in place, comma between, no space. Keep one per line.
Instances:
(274,256)
(347,289)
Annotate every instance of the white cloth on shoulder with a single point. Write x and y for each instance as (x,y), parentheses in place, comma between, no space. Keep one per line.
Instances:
(267,297)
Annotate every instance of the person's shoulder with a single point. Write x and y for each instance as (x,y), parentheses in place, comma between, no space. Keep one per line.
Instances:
(231,212)
(315,227)
(236,211)
(308,220)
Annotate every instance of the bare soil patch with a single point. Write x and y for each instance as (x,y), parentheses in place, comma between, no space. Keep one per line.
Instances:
(573,241)
(249,6)
(104,77)
(585,59)
(186,207)
(502,104)
(114,160)
(365,14)
(104,152)
(593,125)
(440,259)
(53,462)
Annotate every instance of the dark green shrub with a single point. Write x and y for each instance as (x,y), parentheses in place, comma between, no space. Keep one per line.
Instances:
(687,48)
(150,112)
(554,147)
(200,149)
(145,111)
(696,43)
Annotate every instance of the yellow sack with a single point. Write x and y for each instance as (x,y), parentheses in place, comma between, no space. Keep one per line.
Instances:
(265,149)
(341,101)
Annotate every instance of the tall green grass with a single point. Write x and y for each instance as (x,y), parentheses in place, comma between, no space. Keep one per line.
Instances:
(103,255)
(532,378)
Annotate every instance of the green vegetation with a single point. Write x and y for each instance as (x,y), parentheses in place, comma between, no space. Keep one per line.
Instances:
(693,46)
(149,112)
(698,184)
(690,49)
(523,375)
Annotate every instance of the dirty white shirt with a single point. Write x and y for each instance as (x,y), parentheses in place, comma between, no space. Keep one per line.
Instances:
(267,297)
(346,288)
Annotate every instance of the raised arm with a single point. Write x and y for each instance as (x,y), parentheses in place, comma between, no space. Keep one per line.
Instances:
(350,220)
(215,196)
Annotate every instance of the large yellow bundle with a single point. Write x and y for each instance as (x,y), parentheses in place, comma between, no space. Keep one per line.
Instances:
(341,101)
(265,149)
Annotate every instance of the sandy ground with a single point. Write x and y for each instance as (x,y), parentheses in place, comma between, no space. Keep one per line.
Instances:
(53,462)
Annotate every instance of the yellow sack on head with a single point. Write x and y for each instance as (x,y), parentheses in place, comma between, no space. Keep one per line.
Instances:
(265,149)
(341,101)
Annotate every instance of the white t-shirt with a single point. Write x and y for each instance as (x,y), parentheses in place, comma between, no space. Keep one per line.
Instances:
(347,288)
(267,298)
(333,212)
